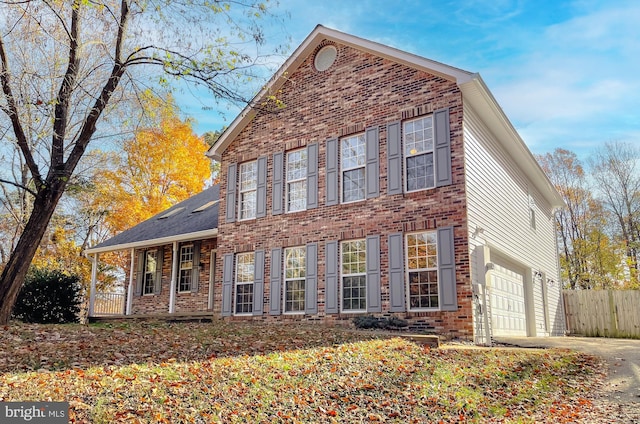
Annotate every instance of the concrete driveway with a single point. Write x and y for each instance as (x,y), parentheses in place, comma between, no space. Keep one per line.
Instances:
(622,356)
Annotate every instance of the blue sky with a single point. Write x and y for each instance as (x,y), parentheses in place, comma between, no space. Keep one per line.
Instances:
(566,73)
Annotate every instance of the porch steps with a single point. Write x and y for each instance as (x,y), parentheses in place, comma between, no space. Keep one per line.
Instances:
(166,317)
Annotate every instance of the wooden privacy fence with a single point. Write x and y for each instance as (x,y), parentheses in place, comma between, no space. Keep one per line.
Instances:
(603,313)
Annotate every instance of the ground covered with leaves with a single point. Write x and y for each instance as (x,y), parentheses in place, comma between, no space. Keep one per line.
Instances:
(238,372)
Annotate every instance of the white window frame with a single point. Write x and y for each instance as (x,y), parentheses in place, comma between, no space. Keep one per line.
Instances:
(185,268)
(361,156)
(293,180)
(409,153)
(360,273)
(300,277)
(429,268)
(247,188)
(243,259)
(149,276)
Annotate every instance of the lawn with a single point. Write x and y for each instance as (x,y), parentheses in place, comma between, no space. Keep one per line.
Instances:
(239,373)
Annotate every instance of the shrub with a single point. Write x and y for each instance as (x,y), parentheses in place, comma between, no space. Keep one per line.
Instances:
(369,321)
(49,297)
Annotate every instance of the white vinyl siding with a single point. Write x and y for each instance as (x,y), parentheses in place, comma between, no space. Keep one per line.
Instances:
(296,180)
(245,274)
(417,139)
(248,185)
(294,279)
(354,275)
(500,201)
(352,168)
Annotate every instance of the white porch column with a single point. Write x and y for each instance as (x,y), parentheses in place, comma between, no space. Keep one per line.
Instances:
(130,287)
(94,278)
(174,278)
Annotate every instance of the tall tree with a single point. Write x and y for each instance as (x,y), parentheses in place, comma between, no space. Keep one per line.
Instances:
(585,250)
(163,164)
(66,65)
(616,168)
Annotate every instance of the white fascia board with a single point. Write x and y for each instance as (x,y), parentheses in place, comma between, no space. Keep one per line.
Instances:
(476,94)
(317,36)
(198,235)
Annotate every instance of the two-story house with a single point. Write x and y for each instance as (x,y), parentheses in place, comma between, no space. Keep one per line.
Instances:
(386,184)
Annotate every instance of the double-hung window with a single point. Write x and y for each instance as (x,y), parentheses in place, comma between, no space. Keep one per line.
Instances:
(354,275)
(186,267)
(294,279)
(418,153)
(422,270)
(297,180)
(248,190)
(245,273)
(150,268)
(352,168)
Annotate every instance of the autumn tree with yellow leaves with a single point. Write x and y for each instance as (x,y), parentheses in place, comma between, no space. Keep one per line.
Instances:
(161,165)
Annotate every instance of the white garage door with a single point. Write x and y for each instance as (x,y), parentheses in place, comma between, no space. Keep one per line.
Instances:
(508,316)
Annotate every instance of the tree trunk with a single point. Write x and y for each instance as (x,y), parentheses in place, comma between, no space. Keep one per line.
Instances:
(16,269)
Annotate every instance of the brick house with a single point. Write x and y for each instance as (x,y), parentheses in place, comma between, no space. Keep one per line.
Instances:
(386,184)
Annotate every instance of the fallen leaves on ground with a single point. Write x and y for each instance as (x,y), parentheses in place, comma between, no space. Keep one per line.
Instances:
(239,372)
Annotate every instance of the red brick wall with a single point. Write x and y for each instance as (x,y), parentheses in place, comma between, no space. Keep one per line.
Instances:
(358,91)
(185,302)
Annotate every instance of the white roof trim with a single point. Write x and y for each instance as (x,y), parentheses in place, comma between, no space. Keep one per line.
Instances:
(198,235)
(317,36)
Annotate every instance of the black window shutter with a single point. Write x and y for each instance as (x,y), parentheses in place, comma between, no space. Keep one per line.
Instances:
(442,157)
(394,159)
(227,284)
(396,273)
(373,164)
(157,289)
(447,270)
(277,188)
(311,286)
(230,199)
(195,271)
(374,302)
(261,188)
(312,176)
(331,278)
(140,273)
(275,292)
(333,197)
(258,282)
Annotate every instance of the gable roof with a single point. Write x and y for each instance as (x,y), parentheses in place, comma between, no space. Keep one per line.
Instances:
(474,91)
(192,219)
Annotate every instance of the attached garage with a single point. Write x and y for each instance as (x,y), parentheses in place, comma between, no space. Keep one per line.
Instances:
(507,297)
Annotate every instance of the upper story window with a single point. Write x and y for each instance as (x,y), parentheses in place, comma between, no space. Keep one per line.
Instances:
(418,153)
(245,273)
(352,168)
(150,269)
(354,275)
(248,189)
(186,268)
(422,270)
(296,180)
(294,279)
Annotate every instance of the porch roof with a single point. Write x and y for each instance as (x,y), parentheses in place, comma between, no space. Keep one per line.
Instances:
(193,218)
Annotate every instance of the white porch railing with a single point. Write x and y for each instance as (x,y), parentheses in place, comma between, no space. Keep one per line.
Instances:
(109,304)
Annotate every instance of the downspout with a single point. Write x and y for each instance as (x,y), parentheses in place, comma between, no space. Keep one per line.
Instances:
(130,287)
(174,277)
